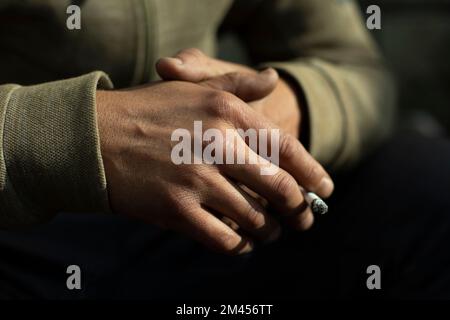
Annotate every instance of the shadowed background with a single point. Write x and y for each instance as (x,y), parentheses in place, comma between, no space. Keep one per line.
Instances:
(415,39)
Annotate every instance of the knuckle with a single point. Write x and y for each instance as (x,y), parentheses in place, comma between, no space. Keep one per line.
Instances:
(191,53)
(209,177)
(186,176)
(223,104)
(180,204)
(284,186)
(193,178)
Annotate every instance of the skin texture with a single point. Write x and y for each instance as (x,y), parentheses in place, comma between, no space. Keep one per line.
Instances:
(280,106)
(203,201)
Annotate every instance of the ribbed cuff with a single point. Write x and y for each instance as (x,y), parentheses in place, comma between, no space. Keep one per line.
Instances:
(51,150)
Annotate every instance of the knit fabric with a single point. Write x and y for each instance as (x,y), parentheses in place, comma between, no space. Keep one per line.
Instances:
(52,160)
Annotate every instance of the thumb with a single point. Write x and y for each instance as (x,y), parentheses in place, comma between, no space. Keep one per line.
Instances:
(246,86)
(194,66)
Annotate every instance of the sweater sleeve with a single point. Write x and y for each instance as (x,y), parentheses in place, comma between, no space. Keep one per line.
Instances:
(50,158)
(325,47)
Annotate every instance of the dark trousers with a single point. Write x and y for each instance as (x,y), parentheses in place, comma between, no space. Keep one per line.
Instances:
(392,211)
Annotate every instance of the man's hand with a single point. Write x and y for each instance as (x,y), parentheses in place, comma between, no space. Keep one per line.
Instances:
(135,129)
(281,106)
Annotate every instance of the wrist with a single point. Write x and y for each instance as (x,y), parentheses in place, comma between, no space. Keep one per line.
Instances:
(296,94)
(291,107)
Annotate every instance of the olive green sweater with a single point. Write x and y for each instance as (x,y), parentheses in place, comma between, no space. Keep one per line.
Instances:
(50,158)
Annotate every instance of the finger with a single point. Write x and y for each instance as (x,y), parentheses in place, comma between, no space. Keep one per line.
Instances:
(309,173)
(280,189)
(194,66)
(230,223)
(204,227)
(302,221)
(231,201)
(246,86)
(292,155)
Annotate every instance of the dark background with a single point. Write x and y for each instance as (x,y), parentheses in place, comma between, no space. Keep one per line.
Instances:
(415,38)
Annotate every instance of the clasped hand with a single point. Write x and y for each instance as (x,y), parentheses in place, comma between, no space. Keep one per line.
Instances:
(215,204)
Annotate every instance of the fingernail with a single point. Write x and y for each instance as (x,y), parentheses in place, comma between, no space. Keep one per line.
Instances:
(177,61)
(326,187)
(267,71)
(270,74)
(248,247)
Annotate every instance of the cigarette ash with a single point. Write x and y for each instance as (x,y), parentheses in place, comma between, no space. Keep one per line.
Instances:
(319,207)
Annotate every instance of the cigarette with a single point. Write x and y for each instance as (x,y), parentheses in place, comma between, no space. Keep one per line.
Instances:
(318,206)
